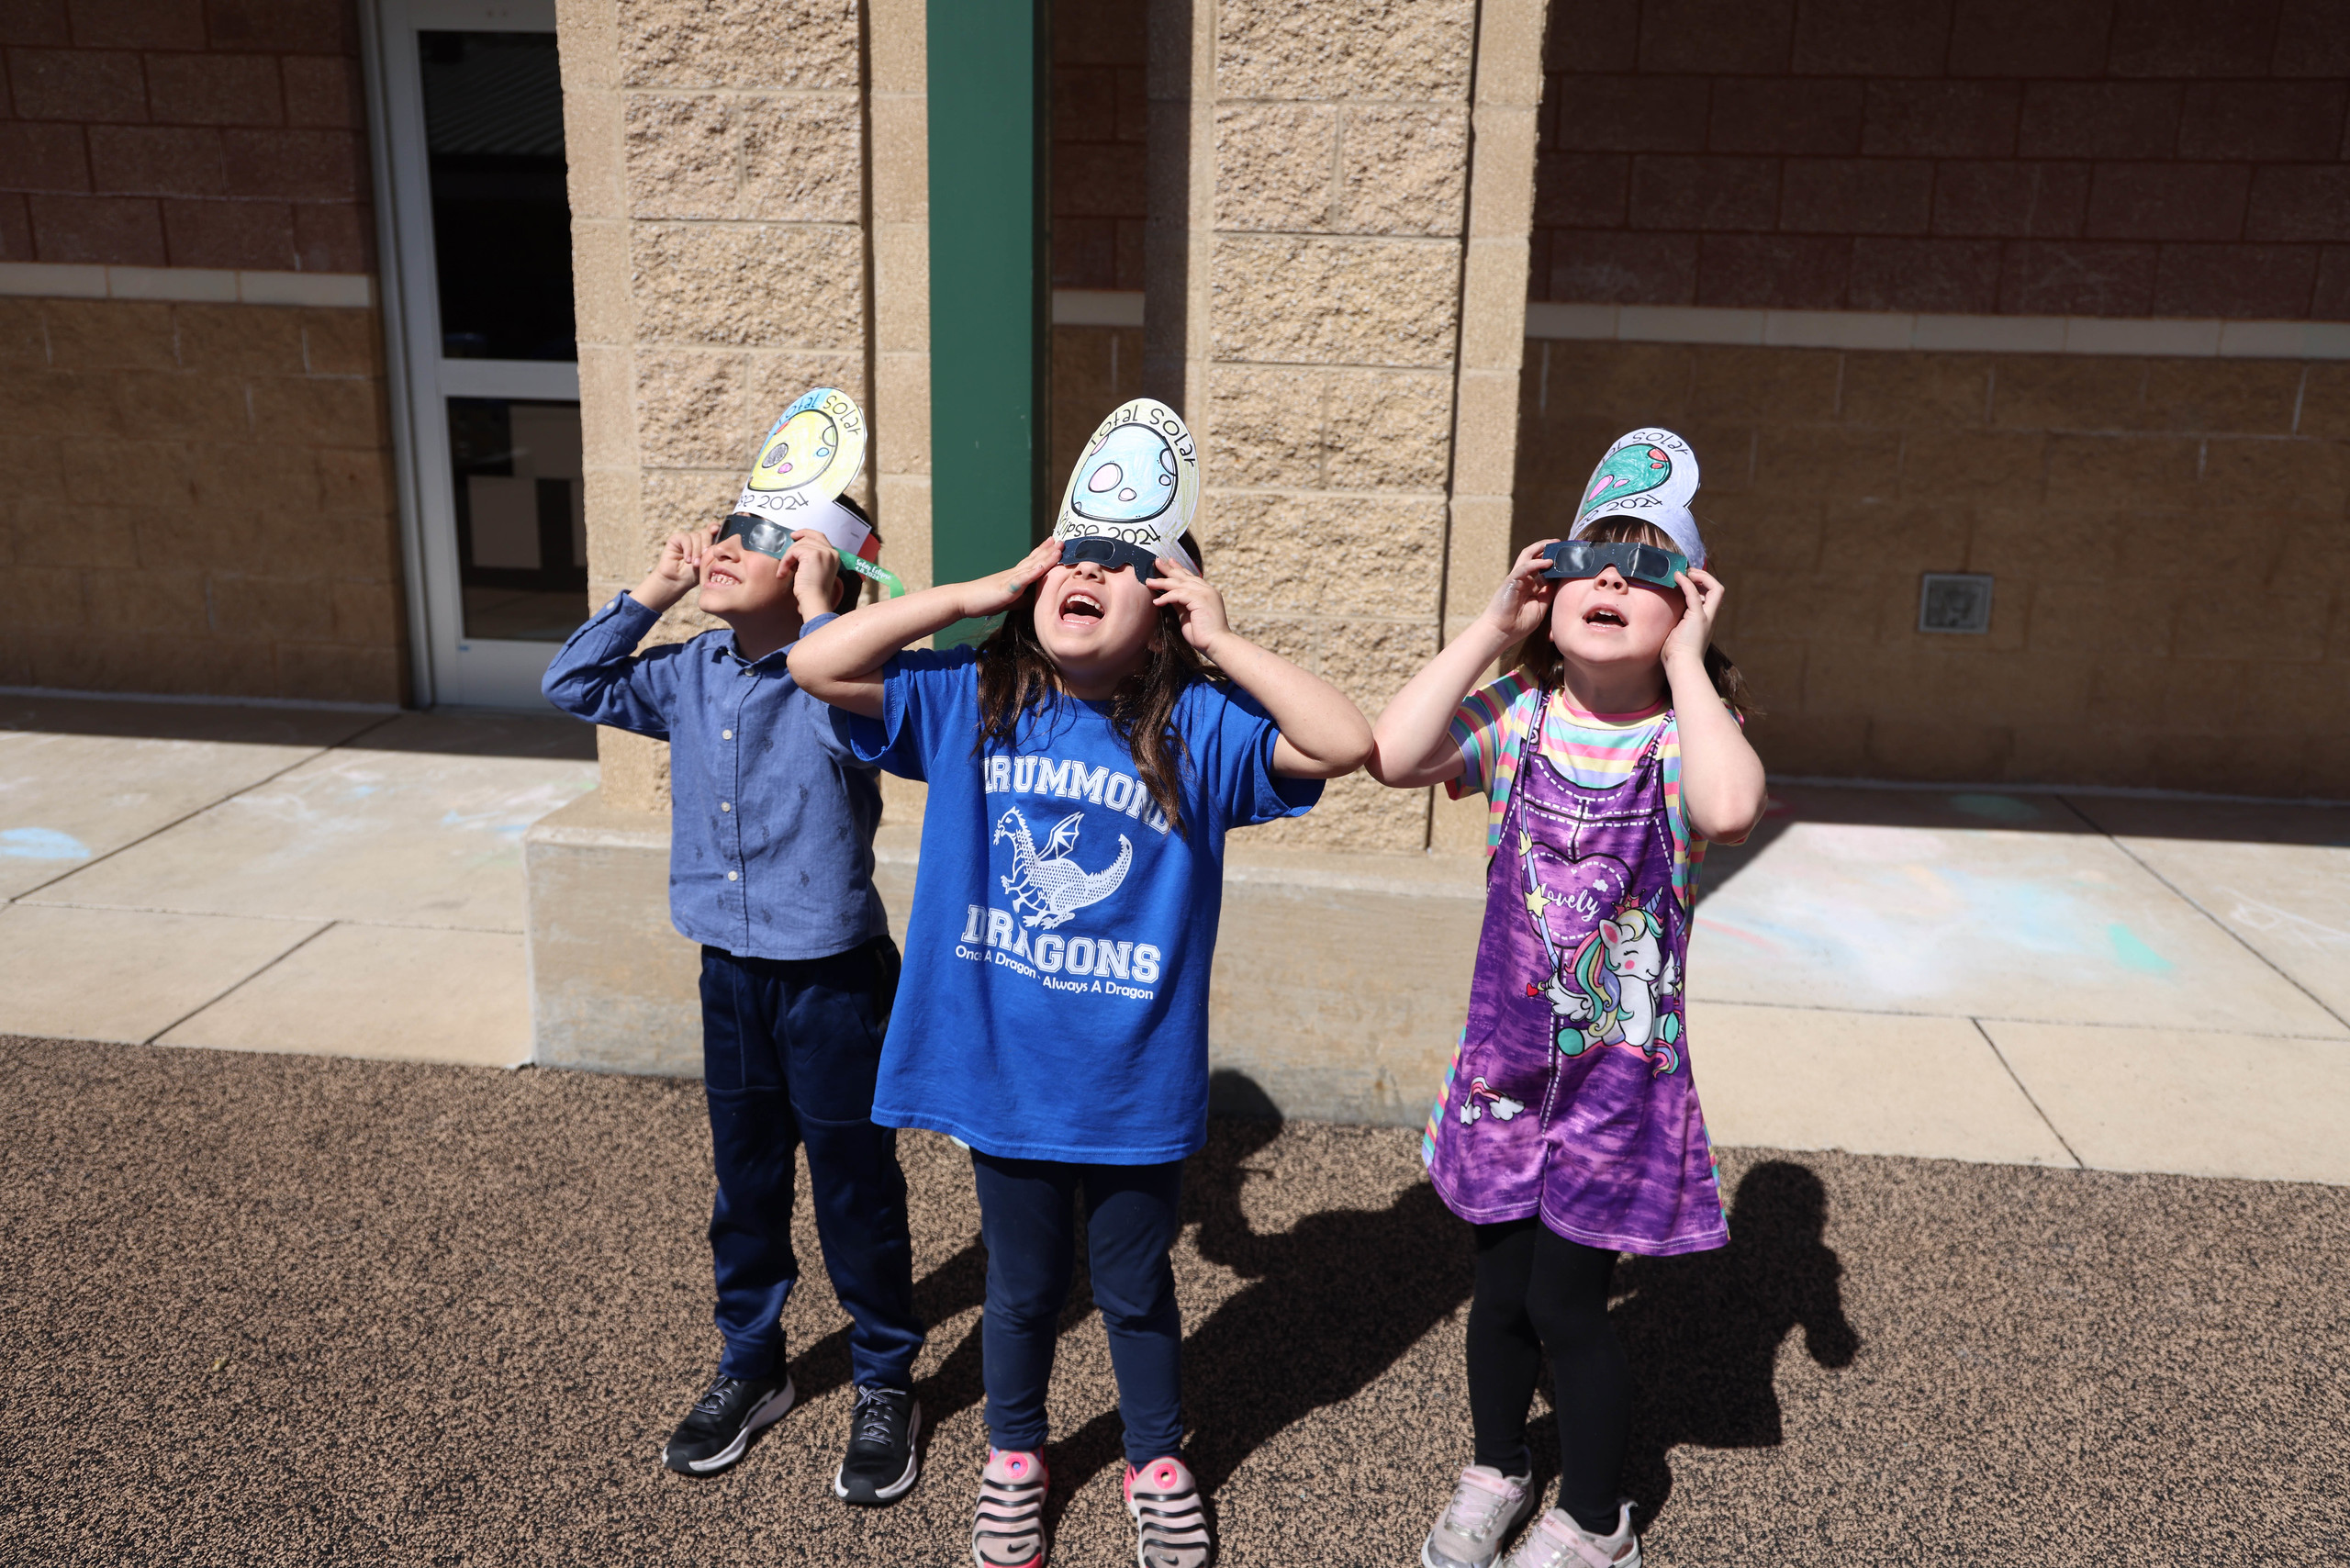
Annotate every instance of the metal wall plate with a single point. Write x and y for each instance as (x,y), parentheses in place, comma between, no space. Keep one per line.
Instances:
(1955,601)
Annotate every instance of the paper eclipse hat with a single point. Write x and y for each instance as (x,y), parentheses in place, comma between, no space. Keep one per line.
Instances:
(1138,481)
(1648,475)
(810,456)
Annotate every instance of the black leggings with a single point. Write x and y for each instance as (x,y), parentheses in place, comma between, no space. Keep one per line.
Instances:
(1538,1292)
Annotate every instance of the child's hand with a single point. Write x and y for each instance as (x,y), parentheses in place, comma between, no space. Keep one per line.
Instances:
(1518,606)
(814,567)
(677,570)
(999,592)
(1705,593)
(1203,619)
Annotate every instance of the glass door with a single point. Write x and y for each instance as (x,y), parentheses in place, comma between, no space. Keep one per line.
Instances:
(470,101)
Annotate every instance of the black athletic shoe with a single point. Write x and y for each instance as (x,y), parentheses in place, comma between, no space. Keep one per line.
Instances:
(718,1428)
(880,1467)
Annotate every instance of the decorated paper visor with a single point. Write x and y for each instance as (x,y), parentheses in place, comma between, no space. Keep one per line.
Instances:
(1573,558)
(810,456)
(1648,475)
(1131,497)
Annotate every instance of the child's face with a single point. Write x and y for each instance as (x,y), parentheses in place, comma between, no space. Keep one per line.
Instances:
(1093,621)
(1605,620)
(735,581)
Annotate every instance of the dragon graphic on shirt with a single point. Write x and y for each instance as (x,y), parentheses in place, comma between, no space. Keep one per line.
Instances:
(1048,887)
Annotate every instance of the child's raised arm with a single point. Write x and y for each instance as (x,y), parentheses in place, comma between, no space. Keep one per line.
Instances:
(1411,744)
(841,663)
(1323,736)
(1721,777)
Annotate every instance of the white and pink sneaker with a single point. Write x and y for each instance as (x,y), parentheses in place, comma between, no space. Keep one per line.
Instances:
(1557,1541)
(1008,1529)
(1164,1502)
(1486,1505)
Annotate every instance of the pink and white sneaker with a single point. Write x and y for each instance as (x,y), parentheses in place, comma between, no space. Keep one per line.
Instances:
(1557,1541)
(1486,1505)
(1008,1529)
(1164,1502)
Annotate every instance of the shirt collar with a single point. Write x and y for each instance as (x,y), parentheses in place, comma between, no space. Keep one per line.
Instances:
(725,646)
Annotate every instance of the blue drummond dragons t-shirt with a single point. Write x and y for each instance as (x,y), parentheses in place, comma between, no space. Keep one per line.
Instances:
(1054,1004)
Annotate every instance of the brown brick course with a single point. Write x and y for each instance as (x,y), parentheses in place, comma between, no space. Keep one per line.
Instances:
(265,561)
(225,134)
(2099,493)
(2076,142)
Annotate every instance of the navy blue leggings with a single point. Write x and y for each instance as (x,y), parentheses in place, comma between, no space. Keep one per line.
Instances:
(1026,1219)
(790,1051)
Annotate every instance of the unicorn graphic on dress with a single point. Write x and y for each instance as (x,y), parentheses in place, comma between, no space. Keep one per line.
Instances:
(1049,886)
(1616,988)
(1615,984)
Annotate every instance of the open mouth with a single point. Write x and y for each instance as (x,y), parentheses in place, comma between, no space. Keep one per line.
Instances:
(720,574)
(1082,606)
(1601,615)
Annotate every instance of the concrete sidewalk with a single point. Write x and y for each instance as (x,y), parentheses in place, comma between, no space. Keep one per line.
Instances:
(273,879)
(2117,982)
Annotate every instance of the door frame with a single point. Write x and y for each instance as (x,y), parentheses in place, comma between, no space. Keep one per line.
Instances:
(445,667)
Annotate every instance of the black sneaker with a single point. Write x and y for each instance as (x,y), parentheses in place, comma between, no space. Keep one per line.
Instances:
(880,1464)
(718,1428)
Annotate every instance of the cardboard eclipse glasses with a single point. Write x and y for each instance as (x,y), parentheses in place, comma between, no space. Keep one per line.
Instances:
(764,536)
(1113,553)
(1573,558)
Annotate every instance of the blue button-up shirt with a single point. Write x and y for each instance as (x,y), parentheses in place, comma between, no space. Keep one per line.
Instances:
(771,814)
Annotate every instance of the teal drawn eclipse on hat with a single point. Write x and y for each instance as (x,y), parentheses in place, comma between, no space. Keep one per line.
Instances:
(1628,471)
(1132,477)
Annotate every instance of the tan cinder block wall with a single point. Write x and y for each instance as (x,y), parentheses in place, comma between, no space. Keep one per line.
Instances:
(1323,380)
(2170,540)
(717,181)
(199,499)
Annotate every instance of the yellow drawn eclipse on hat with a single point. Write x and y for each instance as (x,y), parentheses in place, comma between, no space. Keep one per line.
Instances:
(798,454)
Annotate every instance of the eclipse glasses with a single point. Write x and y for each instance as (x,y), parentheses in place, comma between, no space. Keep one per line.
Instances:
(765,536)
(1573,558)
(1110,554)
(760,535)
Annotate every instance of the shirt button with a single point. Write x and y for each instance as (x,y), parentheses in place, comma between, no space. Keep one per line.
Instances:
(733,876)
(726,735)
(726,805)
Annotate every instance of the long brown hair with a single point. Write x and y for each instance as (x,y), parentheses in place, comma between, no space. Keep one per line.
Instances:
(1538,658)
(1016,675)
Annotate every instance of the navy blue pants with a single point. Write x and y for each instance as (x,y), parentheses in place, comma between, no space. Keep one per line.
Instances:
(790,1051)
(1028,1221)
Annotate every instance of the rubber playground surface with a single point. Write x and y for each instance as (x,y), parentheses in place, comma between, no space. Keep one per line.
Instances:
(285,1308)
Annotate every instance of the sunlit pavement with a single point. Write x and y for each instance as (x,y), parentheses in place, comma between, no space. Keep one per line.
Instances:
(2121,982)
(2114,981)
(260,878)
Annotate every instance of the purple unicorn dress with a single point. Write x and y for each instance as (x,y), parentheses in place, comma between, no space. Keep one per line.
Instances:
(1569,1096)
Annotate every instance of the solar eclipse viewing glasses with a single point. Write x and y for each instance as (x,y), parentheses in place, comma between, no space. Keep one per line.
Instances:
(1573,558)
(1110,554)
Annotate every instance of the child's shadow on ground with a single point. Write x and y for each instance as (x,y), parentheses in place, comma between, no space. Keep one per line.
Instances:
(1330,1303)
(1703,1331)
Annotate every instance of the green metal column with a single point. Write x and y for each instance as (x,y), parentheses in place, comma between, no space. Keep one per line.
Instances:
(991,283)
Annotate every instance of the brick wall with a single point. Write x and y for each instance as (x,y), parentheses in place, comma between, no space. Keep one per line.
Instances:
(1097,157)
(2041,157)
(184,133)
(198,500)
(2170,540)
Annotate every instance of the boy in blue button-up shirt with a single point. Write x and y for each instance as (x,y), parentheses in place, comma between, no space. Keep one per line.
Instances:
(771,871)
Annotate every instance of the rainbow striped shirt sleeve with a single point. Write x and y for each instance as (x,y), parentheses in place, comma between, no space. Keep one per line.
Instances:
(1485,728)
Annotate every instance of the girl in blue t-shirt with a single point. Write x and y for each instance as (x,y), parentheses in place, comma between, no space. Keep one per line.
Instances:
(1084,763)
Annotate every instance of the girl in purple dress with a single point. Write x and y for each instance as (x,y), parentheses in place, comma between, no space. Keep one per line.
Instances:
(1567,1128)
